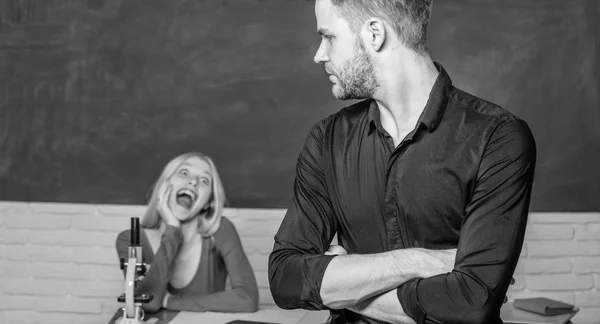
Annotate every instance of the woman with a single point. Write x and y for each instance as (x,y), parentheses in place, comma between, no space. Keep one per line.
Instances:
(190,247)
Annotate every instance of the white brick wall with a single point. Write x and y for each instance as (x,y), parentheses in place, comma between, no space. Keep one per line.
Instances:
(561,260)
(58,263)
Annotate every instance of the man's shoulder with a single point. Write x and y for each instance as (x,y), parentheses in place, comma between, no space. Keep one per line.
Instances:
(489,117)
(474,105)
(345,117)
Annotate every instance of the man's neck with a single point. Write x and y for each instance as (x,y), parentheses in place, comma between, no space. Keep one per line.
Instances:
(406,81)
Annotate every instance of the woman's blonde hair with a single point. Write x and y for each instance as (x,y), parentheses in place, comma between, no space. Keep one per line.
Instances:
(212,220)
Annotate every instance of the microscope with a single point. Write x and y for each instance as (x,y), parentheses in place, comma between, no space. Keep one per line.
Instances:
(133,312)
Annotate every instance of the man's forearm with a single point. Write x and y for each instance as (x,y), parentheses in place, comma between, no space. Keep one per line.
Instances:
(384,307)
(350,279)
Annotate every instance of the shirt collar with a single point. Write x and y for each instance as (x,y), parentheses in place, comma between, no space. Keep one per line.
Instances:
(434,109)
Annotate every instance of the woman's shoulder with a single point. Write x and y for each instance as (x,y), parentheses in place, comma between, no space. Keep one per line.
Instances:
(226,227)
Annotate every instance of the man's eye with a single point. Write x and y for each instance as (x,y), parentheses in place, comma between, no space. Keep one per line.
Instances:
(184,172)
(204,181)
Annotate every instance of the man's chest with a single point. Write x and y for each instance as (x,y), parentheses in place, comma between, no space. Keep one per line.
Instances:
(416,193)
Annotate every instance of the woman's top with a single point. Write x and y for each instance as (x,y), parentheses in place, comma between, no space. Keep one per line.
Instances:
(222,255)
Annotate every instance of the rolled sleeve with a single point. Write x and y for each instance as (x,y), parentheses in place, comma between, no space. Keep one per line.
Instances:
(297,264)
(491,237)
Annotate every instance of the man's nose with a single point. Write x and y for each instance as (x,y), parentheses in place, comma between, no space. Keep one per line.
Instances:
(193,182)
(321,55)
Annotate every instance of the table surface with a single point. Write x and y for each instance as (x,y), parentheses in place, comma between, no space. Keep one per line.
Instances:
(275,315)
(265,315)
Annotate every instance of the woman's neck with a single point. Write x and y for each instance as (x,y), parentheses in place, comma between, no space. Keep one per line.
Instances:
(188,229)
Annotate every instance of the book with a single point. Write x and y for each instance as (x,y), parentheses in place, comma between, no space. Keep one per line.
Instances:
(543,306)
(512,315)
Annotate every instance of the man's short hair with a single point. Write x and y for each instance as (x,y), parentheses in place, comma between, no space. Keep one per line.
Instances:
(409,18)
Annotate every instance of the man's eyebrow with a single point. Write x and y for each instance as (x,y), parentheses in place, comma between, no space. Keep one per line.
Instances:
(323,31)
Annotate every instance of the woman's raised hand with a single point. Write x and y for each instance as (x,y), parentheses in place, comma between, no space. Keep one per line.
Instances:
(163,206)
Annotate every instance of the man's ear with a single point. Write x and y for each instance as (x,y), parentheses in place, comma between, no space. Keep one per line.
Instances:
(376,34)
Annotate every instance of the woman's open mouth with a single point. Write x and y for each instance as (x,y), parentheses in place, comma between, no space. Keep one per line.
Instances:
(186,197)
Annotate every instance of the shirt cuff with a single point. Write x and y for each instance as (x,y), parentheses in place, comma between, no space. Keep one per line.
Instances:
(312,277)
(408,297)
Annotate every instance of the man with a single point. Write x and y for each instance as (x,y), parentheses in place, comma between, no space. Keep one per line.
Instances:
(404,177)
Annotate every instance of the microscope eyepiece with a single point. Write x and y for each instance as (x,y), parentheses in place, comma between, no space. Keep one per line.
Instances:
(135,231)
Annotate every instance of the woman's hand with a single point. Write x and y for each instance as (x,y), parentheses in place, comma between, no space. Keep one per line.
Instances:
(164,208)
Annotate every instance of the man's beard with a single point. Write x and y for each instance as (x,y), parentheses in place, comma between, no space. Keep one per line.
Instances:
(356,78)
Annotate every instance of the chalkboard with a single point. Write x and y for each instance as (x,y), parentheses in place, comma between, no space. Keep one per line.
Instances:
(96,96)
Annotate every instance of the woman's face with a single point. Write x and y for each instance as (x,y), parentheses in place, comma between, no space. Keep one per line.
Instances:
(192,188)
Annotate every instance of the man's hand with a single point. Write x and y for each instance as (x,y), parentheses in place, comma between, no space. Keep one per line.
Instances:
(336,250)
(441,261)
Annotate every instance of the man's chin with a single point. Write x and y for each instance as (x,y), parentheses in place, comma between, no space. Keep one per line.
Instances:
(340,94)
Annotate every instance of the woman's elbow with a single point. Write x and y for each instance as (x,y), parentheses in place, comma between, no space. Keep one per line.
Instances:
(248,302)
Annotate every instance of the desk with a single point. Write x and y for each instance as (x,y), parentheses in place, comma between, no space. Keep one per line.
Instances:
(265,314)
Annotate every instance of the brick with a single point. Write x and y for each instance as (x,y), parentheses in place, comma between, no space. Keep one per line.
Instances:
(69,271)
(110,305)
(586,265)
(36,287)
(558,265)
(588,231)
(97,255)
(258,228)
(587,315)
(22,317)
(559,282)
(73,238)
(32,317)
(100,223)
(38,253)
(10,207)
(67,304)
(275,215)
(16,302)
(62,208)
(588,298)
(567,248)
(564,296)
(121,210)
(265,297)
(255,245)
(108,273)
(97,289)
(86,319)
(37,221)
(570,218)
(230,213)
(262,279)
(549,232)
(258,261)
(13,236)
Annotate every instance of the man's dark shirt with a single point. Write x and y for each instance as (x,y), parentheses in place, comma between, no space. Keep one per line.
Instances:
(461,179)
